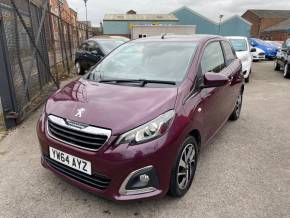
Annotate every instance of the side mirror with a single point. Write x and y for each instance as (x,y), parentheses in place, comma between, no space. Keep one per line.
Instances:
(95,52)
(253,50)
(212,80)
(287,50)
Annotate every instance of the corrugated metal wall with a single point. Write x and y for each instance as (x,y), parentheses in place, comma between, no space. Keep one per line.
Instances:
(235,26)
(203,25)
(123,27)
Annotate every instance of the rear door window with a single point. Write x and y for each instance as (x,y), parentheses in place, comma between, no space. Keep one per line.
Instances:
(229,52)
(213,58)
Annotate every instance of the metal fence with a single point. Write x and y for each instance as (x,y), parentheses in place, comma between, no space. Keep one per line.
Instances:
(38,50)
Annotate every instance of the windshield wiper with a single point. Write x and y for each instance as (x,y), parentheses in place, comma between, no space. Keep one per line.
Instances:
(141,82)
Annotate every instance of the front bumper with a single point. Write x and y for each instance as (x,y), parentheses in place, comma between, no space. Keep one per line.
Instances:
(115,164)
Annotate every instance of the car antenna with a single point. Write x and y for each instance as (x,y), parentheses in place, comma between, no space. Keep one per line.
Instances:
(163,35)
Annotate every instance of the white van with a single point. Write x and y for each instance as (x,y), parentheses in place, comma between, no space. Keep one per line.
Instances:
(243,51)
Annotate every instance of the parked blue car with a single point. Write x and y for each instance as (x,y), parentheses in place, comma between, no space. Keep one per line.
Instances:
(270,50)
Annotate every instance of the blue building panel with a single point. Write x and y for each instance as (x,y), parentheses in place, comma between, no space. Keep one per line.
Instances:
(124,27)
(235,26)
(188,17)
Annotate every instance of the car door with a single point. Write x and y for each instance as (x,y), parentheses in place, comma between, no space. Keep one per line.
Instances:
(234,73)
(215,101)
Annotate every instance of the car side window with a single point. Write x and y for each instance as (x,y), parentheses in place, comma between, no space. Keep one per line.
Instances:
(229,52)
(92,46)
(213,58)
(84,46)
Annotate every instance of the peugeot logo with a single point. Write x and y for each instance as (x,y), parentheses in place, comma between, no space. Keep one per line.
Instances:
(80,112)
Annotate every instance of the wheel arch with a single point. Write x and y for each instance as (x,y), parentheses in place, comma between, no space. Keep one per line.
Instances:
(196,134)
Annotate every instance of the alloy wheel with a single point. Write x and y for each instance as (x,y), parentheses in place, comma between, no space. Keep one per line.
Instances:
(186,166)
(78,68)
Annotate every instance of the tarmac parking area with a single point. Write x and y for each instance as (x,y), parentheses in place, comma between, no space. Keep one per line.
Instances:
(243,172)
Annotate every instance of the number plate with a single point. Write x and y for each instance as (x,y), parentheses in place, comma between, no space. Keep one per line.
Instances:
(70,161)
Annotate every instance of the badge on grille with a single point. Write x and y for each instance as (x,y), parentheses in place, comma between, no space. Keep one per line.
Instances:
(80,112)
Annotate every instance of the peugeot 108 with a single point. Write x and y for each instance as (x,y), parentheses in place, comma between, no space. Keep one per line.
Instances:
(132,128)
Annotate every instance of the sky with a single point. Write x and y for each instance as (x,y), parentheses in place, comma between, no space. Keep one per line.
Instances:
(211,9)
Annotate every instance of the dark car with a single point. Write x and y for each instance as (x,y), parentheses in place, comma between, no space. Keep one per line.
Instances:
(283,60)
(93,50)
(133,127)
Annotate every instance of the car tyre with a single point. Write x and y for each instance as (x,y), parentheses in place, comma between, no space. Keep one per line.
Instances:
(287,71)
(238,107)
(79,68)
(247,80)
(277,66)
(184,169)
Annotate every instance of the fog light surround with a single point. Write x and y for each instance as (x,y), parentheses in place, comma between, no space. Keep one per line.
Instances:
(140,181)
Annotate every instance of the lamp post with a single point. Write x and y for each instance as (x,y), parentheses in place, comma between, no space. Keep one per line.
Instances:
(87,24)
(220,17)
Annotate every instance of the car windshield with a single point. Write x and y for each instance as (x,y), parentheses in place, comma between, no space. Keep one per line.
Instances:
(109,45)
(159,61)
(239,44)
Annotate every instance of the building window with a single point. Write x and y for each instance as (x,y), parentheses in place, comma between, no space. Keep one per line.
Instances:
(142,36)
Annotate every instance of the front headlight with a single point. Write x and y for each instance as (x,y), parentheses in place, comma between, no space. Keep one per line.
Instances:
(148,131)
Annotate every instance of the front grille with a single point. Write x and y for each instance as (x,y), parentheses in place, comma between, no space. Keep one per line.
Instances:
(96,181)
(87,137)
(261,53)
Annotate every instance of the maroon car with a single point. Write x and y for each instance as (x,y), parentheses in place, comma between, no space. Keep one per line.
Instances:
(132,128)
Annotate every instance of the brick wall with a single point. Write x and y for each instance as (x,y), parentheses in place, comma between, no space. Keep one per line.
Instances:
(268,22)
(275,35)
(68,15)
(260,24)
(254,19)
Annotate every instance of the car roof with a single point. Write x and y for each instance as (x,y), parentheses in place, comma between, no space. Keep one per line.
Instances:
(236,37)
(100,39)
(181,38)
(106,38)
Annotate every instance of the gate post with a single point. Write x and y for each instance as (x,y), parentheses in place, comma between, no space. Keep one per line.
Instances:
(7,91)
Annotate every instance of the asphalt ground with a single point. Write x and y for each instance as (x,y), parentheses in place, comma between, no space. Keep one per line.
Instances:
(243,172)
